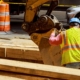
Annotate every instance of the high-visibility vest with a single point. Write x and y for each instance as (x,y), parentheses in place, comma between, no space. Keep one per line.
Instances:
(70,46)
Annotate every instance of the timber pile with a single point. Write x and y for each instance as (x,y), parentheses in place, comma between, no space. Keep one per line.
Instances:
(17,63)
(21,49)
(19,70)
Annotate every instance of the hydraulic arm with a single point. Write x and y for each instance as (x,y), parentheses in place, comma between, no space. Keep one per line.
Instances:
(40,28)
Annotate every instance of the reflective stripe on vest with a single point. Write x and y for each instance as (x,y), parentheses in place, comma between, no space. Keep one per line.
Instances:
(70,47)
(64,37)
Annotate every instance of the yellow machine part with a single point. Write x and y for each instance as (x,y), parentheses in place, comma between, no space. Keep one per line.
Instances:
(32,6)
(29,14)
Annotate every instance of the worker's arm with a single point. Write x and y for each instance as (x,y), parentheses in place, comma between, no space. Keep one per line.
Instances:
(55,40)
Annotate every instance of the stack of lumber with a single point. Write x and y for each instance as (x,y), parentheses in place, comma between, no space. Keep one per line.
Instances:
(21,49)
(20,59)
(19,70)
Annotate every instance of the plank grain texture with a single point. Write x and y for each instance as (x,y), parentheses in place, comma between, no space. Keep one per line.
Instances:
(39,69)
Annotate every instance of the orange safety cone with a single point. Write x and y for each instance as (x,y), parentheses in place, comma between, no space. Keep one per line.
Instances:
(4,16)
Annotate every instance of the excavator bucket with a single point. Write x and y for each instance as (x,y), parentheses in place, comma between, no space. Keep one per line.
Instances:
(51,55)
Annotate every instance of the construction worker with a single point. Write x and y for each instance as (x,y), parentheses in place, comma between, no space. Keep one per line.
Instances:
(69,40)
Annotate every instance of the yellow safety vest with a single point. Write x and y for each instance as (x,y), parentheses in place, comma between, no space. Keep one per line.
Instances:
(70,45)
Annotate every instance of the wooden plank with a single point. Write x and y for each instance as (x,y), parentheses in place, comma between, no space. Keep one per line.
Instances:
(22,49)
(21,76)
(9,78)
(2,52)
(39,69)
(23,54)
(18,44)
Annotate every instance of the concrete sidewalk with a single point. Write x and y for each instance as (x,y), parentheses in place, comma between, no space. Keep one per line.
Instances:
(20,34)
